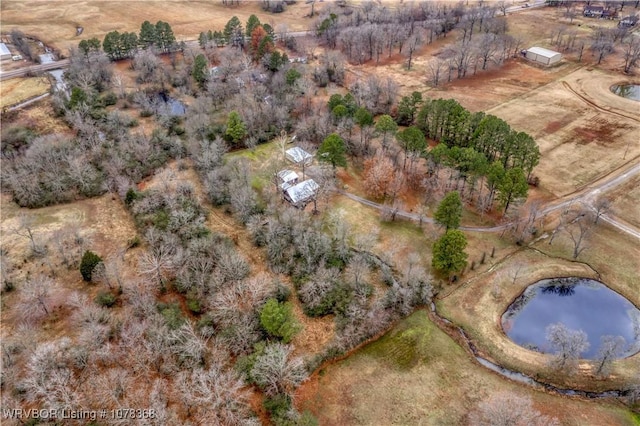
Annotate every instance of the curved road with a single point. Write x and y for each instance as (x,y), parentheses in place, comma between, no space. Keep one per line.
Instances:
(585,197)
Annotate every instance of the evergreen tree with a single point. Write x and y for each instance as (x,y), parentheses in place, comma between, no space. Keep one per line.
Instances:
(129,43)
(88,263)
(112,45)
(147,36)
(236,129)
(89,46)
(332,150)
(233,31)
(252,23)
(512,186)
(165,38)
(449,211)
(278,320)
(386,126)
(412,142)
(199,70)
(407,108)
(448,253)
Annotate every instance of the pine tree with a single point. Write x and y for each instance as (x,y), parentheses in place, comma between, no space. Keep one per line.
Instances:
(236,129)
(199,70)
(449,211)
(147,36)
(332,150)
(448,253)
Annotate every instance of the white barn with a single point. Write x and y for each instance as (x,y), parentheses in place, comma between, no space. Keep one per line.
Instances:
(300,194)
(298,155)
(543,56)
(5,53)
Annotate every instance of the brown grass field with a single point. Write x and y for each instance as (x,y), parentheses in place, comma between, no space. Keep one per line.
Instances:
(20,89)
(415,374)
(55,22)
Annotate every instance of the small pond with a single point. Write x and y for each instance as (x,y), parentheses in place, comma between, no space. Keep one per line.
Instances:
(578,303)
(172,106)
(629,91)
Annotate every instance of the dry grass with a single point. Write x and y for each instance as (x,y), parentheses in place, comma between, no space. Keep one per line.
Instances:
(55,21)
(17,90)
(416,374)
(626,204)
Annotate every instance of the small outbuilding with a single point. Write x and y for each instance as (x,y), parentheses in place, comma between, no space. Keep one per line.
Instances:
(286,179)
(5,53)
(628,21)
(298,155)
(300,194)
(591,11)
(543,56)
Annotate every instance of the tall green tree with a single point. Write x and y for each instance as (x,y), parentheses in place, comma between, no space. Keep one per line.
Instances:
(449,211)
(332,150)
(512,187)
(252,23)
(129,44)
(449,256)
(412,142)
(147,36)
(387,127)
(236,129)
(199,70)
(112,45)
(233,30)
(91,45)
(408,107)
(278,320)
(165,38)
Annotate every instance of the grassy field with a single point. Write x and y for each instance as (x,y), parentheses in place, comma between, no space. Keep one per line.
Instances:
(20,89)
(55,22)
(416,374)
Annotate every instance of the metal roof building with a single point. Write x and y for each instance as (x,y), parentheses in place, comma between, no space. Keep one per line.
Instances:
(288,178)
(5,53)
(543,56)
(300,194)
(298,155)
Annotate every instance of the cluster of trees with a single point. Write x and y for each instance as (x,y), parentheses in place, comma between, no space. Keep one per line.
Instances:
(125,45)
(260,36)
(448,255)
(374,31)
(480,148)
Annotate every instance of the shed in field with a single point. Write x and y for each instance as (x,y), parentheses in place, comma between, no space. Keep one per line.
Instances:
(5,53)
(543,56)
(298,155)
(300,194)
(287,178)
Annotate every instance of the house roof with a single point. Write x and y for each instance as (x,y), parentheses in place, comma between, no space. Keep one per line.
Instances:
(590,8)
(630,18)
(302,191)
(287,175)
(543,52)
(298,154)
(4,50)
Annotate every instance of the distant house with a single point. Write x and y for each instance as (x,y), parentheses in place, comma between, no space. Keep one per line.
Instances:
(593,11)
(300,194)
(287,179)
(5,53)
(298,155)
(629,21)
(542,55)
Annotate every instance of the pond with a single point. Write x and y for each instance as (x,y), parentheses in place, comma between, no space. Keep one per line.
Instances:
(628,91)
(172,106)
(579,304)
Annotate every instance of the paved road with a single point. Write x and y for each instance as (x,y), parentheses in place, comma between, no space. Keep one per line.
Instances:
(586,197)
(34,69)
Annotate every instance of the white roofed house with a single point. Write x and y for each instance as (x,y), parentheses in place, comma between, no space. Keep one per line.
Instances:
(301,194)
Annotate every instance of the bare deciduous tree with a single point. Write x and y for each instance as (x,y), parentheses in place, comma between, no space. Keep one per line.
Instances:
(568,345)
(506,409)
(276,372)
(611,347)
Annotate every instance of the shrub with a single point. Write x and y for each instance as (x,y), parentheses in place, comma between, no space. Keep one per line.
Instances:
(278,406)
(88,263)
(277,319)
(171,314)
(194,305)
(106,299)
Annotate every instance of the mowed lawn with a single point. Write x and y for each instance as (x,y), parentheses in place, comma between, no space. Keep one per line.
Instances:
(417,375)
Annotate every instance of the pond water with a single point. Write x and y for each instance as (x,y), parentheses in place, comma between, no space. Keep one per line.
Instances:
(173,106)
(628,91)
(578,303)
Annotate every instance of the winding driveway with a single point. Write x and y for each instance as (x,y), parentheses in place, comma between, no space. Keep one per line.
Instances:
(587,197)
